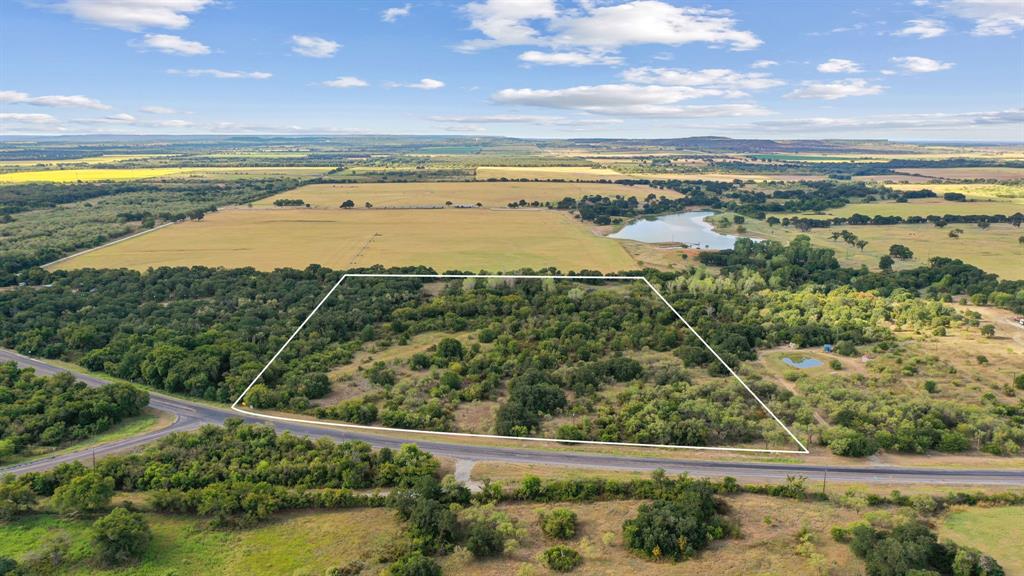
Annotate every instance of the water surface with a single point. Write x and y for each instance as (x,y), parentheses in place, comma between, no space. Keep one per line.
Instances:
(686,228)
(802,364)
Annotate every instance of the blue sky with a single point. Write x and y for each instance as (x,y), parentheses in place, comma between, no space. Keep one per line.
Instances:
(906,70)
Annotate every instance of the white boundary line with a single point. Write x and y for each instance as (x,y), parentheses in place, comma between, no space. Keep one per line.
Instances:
(119,240)
(234,405)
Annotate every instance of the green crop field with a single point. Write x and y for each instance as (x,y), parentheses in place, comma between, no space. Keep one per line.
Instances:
(922,207)
(1002,191)
(490,194)
(463,239)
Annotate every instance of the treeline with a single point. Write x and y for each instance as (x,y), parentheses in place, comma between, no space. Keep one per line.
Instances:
(16,198)
(48,411)
(982,220)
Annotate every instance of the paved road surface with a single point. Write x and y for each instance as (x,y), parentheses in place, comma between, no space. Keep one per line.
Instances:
(192,414)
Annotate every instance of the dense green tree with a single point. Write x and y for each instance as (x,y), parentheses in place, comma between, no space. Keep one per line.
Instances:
(89,492)
(121,536)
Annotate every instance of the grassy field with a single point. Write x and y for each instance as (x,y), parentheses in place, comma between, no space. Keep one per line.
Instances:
(986,173)
(995,250)
(87,175)
(470,239)
(1003,191)
(298,543)
(105,159)
(578,173)
(490,194)
(997,532)
(922,207)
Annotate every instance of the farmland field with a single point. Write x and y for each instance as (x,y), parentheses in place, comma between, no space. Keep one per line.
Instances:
(105,159)
(490,194)
(978,190)
(88,174)
(988,249)
(470,239)
(580,173)
(923,207)
(984,172)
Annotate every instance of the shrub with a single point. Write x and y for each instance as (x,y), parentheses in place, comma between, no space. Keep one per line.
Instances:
(561,558)
(89,492)
(415,564)
(121,536)
(484,540)
(674,529)
(835,364)
(558,523)
(15,498)
(931,386)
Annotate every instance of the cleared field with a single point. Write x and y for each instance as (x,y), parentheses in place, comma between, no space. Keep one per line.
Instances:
(985,172)
(578,173)
(106,159)
(997,532)
(1005,191)
(412,194)
(448,239)
(994,250)
(922,207)
(87,175)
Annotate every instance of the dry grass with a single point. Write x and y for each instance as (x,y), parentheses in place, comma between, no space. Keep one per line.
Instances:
(578,173)
(413,194)
(450,239)
(986,173)
(923,207)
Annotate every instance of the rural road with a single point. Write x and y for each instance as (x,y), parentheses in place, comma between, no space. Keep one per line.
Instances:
(193,414)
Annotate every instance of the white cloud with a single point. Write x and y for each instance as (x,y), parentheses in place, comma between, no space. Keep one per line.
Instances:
(625,99)
(195,72)
(112,119)
(568,58)
(730,82)
(172,123)
(76,101)
(923,28)
(839,66)
(991,17)
(602,28)
(932,121)
(764,64)
(314,47)
(524,119)
(392,14)
(919,64)
(171,44)
(346,82)
(27,118)
(835,90)
(158,110)
(423,84)
(134,15)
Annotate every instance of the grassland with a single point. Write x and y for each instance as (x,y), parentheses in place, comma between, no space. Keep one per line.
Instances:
(1002,191)
(997,532)
(994,250)
(298,543)
(580,173)
(469,239)
(104,159)
(922,207)
(981,173)
(411,194)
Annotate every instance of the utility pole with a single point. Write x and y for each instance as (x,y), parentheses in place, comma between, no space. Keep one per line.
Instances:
(824,480)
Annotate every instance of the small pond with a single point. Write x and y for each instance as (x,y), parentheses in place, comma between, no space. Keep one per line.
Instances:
(803,363)
(686,228)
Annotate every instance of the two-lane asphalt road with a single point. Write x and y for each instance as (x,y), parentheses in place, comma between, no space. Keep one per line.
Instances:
(191,414)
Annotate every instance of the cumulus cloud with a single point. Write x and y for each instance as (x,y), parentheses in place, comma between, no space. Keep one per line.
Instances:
(836,90)
(764,64)
(134,15)
(568,58)
(991,17)
(314,46)
(839,66)
(923,28)
(171,44)
(158,110)
(625,99)
(423,84)
(76,101)
(346,82)
(27,118)
(392,14)
(603,28)
(919,64)
(729,82)
(213,72)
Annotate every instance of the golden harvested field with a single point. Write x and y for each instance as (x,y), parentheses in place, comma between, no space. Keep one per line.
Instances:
(446,239)
(994,250)
(414,194)
(107,159)
(986,173)
(921,207)
(578,173)
(88,175)
(1005,191)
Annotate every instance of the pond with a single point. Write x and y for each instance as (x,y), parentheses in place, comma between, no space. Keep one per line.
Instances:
(803,363)
(687,228)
